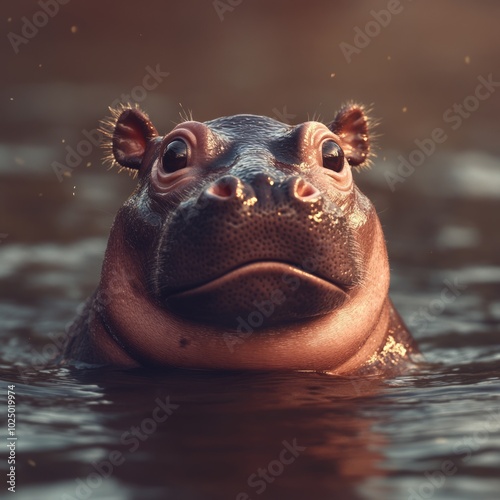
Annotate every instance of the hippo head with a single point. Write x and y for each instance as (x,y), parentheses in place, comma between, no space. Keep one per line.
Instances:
(245,244)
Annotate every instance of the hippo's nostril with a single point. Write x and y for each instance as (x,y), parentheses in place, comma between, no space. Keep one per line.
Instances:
(224,188)
(303,190)
(220,190)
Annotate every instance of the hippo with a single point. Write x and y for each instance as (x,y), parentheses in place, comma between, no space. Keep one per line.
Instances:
(246,245)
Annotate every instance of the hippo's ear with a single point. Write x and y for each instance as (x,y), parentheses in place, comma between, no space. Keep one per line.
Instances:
(130,136)
(351,125)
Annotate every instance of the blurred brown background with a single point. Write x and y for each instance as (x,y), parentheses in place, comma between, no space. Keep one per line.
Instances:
(281,58)
(260,56)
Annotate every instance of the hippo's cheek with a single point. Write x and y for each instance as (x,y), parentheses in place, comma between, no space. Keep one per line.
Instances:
(261,294)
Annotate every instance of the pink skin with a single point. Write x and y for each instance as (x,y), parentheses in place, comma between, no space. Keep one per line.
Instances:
(363,334)
(338,342)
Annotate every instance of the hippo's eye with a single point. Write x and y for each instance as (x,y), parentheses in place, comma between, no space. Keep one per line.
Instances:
(333,156)
(175,156)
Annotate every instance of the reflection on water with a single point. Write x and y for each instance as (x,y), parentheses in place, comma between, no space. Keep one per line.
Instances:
(215,435)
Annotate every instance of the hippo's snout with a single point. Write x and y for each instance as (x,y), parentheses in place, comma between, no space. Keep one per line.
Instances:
(263,190)
(247,239)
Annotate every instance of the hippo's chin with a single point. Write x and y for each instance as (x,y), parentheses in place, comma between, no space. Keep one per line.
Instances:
(260,294)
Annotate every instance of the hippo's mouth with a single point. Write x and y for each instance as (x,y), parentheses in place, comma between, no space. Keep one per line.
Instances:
(259,294)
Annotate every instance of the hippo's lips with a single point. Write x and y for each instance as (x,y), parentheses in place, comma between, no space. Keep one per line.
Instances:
(277,291)
(264,267)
